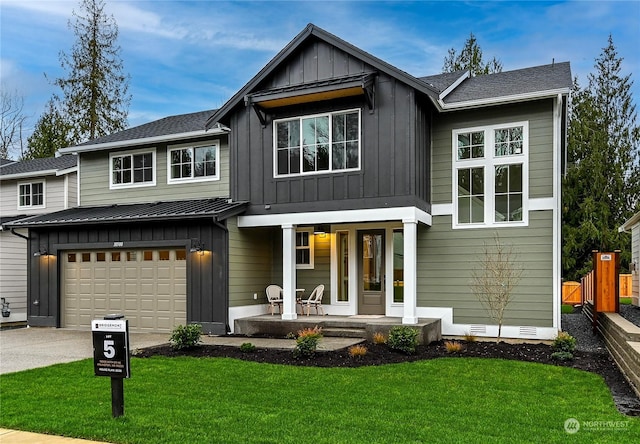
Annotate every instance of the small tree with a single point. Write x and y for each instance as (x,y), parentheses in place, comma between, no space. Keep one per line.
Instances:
(11,120)
(51,133)
(495,277)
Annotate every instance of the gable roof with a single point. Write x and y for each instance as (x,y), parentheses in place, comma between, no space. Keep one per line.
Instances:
(629,224)
(181,126)
(217,208)
(39,167)
(312,31)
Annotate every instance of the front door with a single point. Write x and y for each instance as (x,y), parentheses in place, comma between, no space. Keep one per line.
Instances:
(371,278)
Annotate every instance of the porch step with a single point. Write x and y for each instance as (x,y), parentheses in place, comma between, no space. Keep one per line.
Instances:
(341,332)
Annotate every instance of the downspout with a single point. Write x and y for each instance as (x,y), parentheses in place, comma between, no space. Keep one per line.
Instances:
(13,231)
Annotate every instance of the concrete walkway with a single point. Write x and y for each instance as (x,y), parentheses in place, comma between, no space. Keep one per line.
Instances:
(19,437)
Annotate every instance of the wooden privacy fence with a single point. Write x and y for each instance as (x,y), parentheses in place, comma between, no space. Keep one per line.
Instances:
(573,294)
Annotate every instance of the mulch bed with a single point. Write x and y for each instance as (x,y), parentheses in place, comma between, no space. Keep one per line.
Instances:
(597,362)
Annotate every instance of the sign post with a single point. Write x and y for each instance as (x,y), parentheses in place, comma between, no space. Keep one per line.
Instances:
(111,356)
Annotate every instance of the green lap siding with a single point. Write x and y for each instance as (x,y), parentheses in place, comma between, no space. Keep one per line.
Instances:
(446,258)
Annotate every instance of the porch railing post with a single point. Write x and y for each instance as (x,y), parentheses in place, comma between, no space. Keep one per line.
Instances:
(289,272)
(410,271)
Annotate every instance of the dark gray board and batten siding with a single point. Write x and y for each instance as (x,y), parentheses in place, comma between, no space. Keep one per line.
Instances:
(394,144)
(207,283)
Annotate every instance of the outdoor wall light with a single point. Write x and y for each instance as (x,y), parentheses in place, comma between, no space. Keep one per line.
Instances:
(6,311)
(42,251)
(197,246)
(320,229)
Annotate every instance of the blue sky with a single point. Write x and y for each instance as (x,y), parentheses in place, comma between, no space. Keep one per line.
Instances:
(186,56)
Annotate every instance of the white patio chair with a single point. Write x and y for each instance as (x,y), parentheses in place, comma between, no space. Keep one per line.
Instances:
(314,300)
(274,297)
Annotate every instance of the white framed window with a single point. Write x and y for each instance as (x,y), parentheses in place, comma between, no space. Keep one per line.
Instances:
(132,169)
(491,175)
(319,143)
(304,248)
(31,195)
(193,163)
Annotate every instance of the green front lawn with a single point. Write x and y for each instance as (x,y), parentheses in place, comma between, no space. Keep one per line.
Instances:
(212,400)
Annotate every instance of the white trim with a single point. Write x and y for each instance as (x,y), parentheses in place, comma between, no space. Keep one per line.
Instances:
(628,225)
(67,171)
(213,143)
(336,217)
(410,233)
(78,184)
(542,203)
(65,192)
(132,184)
(43,181)
(289,272)
(143,141)
(516,98)
(557,219)
(488,162)
(442,209)
(454,85)
(31,174)
(330,142)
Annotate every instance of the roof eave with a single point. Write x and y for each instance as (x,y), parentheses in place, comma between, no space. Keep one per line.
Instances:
(32,174)
(142,141)
(630,223)
(502,100)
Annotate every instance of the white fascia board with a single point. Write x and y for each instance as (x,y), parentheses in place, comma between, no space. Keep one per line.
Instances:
(34,174)
(630,223)
(405,214)
(67,171)
(144,141)
(502,100)
(454,85)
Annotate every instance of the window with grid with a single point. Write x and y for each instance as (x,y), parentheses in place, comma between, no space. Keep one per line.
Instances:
(194,163)
(304,248)
(320,143)
(132,169)
(490,175)
(31,195)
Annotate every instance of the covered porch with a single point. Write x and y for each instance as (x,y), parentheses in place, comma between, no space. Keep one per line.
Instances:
(356,326)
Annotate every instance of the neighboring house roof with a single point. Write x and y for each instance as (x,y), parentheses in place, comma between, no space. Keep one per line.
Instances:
(628,225)
(217,208)
(181,126)
(4,162)
(39,167)
(7,219)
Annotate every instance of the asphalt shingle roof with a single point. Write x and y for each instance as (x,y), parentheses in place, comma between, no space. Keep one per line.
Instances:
(37,165)
(442,81)
(220,208)
(182,123)
(510,83)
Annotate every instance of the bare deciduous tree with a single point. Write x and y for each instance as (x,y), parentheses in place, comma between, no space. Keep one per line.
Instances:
(11,122)
(494,279)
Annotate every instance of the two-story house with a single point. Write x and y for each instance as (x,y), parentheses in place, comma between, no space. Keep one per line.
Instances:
(332,167)
(28,188)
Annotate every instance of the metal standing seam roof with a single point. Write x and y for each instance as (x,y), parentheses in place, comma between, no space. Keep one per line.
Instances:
(36,166)
(218,208)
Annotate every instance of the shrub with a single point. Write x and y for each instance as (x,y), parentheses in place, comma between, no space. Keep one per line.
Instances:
(247,347)
(470,337)
(307,342)
(564,342)
(403,338)
(453,346)
(357,351)
(379,338)
(185,336)
(562,356)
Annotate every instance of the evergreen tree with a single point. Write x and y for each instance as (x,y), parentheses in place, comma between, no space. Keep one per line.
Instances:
(470,58)
(51,133)
(95,91)
(602,185)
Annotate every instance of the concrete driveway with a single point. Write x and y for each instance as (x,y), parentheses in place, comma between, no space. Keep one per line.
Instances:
(26,348)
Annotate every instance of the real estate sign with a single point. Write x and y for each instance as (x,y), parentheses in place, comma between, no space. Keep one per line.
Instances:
(111,347)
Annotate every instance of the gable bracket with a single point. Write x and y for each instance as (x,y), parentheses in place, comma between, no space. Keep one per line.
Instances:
(368,86)
(262,116)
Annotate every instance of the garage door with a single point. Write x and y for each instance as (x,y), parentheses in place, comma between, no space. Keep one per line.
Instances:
(148,286)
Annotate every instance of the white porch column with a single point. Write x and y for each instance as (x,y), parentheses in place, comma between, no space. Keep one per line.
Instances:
(410,271)
(289,272)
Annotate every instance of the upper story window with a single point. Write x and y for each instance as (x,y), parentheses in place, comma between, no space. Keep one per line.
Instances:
(194,163)
(319,143)
(31,195)
(131,169)
(304,248)
(490,175)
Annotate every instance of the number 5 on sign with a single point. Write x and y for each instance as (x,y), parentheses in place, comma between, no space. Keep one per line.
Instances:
(109,349)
